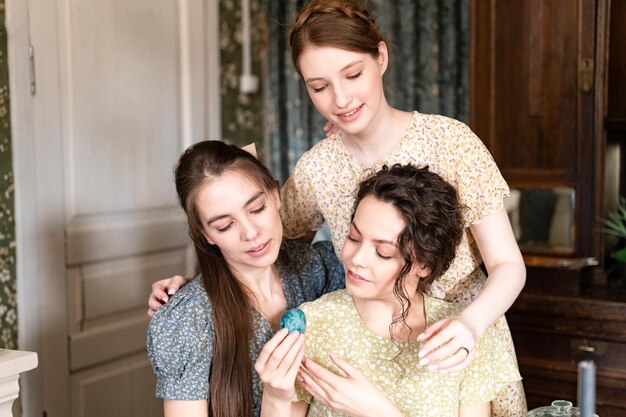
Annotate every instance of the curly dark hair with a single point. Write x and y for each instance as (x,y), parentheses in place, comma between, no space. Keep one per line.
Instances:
(434,222)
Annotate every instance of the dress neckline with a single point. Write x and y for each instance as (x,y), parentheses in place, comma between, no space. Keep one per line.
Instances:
(366,330)
(382,161)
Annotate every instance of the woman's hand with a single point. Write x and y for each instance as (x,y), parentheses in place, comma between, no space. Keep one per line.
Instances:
(278,364)
(353,394)
(330,129)
(450,344)
(161,291)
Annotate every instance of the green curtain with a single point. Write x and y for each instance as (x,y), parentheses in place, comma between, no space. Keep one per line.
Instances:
(428,40)
(8,305)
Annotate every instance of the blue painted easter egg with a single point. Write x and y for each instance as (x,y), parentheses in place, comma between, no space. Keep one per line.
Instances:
(293,320)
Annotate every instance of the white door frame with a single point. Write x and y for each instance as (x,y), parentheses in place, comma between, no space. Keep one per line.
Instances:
(37,143)
(27,232)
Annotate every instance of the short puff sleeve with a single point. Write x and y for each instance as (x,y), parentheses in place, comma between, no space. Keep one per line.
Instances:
(490,370)
(479,183)
(180,344)
(299,211)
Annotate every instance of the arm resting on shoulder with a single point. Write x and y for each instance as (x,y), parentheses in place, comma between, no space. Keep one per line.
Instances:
(449,343)
(505,268)
(161,291)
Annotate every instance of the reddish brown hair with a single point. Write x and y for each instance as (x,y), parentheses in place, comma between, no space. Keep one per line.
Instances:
(343,24)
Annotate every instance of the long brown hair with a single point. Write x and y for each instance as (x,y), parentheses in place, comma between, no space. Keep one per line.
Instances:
(433,222)
(230,387)
(343,24)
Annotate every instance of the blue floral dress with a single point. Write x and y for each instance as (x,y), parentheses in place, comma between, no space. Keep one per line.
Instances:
(180,335)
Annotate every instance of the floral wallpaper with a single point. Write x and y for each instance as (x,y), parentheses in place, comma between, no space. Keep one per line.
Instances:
(242,114)
(8,307)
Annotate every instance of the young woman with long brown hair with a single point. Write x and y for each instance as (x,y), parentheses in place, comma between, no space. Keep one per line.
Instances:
(203,343)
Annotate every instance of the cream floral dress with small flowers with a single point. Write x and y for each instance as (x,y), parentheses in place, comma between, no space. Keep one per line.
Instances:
(334,325)
(323,185)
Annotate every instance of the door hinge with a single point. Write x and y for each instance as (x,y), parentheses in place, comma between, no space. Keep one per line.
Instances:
(33,80)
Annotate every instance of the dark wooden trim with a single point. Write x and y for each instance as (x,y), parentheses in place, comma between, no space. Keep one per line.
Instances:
(615,125)
(482,64)
(599,134)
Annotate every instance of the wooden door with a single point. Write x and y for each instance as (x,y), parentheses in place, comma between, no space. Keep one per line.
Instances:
(538,97)
(534,98)
(119,89)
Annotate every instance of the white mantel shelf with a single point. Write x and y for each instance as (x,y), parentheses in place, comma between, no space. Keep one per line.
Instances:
(12,364)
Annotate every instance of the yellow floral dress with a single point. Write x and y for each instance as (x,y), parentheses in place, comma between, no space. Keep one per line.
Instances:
(334,325)
(322,189)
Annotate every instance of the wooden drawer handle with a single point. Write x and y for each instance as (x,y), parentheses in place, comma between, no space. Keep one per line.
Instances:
(583,345)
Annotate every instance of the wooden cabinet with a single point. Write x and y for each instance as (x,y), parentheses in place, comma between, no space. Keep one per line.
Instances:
(547,98)
(552,333)
(533,97)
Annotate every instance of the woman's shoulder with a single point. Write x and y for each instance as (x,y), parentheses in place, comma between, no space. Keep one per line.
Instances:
(439,122)
(188,314)
(179,343)
(323,151)
(439,131)
(297,252)
(334,301)
(437,309)
(296,255)
(314,266)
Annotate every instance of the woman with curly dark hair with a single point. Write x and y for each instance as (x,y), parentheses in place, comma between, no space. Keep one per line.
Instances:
(361,343)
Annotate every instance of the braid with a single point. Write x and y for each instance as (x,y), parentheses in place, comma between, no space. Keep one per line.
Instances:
(351,9)
(343,24)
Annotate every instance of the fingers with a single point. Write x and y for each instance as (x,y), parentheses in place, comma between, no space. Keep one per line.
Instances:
(463,364)
(313,379)
(290,363)
(280,353)
(173,284)
(455,362)
(344,365)
(430,331)
(270,346)
(330,128)
(444,342)
(322,376)
(158,296)
(295,365)
(437,336)
(154,304)
(278,364)
(161,291)
(313,387)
